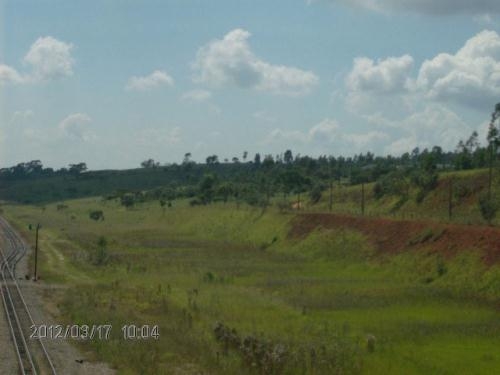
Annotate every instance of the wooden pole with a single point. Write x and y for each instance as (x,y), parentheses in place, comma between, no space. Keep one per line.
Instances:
(363,198)
(450,197)
(490,171)
(36,251)
(331,196)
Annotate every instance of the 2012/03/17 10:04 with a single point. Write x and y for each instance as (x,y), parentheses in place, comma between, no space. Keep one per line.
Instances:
(93,332)
(133,332)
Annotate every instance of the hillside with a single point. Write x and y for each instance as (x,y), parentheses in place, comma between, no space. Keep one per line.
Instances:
(467,187)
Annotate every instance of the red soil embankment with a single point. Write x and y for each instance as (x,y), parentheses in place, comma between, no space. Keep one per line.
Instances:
(395,236)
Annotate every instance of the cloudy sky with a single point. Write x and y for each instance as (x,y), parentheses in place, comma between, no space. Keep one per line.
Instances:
(114,82)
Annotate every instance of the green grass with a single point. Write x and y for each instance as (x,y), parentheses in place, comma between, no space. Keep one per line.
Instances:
(467,186)
(320,296)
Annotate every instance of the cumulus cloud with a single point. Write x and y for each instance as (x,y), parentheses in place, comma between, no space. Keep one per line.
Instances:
(329,135)
(230,61)
(370,83)
(75,126)
(434,125)
(470,77)
(156,79)
(428,7)
(9,75)
(384,76)
(197,95)
(49,59)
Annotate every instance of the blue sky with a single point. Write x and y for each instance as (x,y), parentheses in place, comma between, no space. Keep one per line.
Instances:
(115,82)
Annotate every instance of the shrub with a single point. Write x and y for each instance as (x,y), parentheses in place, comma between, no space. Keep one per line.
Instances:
(101,256)
(316,193)
(127,200)
(488,208)
(96,215)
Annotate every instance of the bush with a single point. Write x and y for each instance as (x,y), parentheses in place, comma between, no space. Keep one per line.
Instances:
(315,194)
(127,200)
(393,183)
(488,208)
(96,215)
(101,255)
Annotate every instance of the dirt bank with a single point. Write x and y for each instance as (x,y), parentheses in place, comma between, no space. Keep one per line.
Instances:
(395,236)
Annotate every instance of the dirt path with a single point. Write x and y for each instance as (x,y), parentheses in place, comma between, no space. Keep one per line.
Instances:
(67,358)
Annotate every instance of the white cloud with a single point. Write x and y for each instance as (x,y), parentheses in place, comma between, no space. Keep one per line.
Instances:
(264,116)
(156,79)
(50,59)
(230,61)
(328,135)
(9,75)
(470,77)
(429,7)
(197,95)
(434,125)
(484,19)
(147,137)
(21,116)
(75,126)
(383,83)
(385,76)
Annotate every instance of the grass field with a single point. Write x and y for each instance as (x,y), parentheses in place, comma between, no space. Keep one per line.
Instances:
(323,304)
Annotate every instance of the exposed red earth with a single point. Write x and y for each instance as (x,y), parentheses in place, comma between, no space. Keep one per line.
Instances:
(395,236)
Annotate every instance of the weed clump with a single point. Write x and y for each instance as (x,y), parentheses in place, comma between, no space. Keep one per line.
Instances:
(101,256)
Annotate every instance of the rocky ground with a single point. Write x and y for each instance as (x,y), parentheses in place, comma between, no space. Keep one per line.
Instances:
(66,357)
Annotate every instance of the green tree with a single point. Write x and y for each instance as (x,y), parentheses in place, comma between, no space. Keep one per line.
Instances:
(493,143)
(207,188)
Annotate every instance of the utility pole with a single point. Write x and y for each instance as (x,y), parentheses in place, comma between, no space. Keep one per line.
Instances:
(450,196)
(36,251)
(331,195)
(490,171)
(363,199)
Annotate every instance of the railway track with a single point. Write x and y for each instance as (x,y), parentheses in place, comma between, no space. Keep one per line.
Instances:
(32,355)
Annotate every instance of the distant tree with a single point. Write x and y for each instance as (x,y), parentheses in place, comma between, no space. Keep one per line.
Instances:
(78,168)
(235,160)
(207,188)
(288,157)
(256,159)
(33,167)
(465,152)
(245,155)
(493,143)
(268,161)
(187,158)
(150,163)
(225,190)
(214,159)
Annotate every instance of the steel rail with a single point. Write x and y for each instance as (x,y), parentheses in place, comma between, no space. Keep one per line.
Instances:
(17,250)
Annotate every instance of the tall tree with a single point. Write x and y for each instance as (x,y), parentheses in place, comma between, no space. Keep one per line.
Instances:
(493,143)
